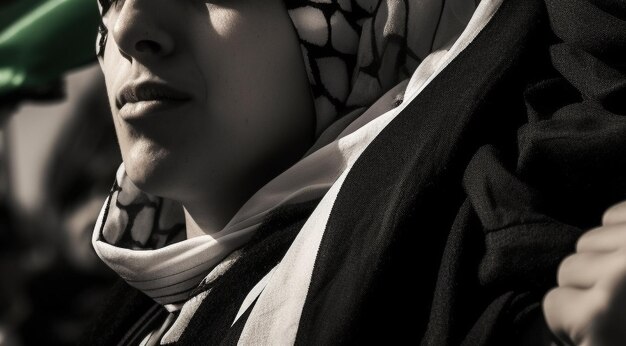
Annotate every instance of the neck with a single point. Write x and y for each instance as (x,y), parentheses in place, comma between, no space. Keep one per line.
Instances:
(200,221)
(208,209)
(206,216)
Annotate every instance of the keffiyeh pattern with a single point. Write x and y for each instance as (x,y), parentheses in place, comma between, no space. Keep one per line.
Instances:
(355,52)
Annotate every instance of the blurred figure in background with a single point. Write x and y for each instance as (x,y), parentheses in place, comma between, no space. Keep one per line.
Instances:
(56,149)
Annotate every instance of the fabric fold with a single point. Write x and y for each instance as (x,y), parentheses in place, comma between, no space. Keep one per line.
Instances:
(142,237)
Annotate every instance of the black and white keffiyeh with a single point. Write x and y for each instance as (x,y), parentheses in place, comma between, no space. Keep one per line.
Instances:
(363,57)
(447,216)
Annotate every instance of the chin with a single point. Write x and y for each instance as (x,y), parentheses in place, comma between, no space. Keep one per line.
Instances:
(150,169)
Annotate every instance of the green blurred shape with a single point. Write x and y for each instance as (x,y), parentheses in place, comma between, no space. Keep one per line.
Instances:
(42,39)
(10,10)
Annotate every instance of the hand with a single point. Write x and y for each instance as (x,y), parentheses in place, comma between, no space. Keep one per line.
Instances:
(589,305)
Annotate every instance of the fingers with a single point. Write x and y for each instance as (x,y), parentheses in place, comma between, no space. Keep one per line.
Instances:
(611,236)
(582,270)
(566,320)
(603,239)
(588,269)
(587,306)
(572,314)
(615,214)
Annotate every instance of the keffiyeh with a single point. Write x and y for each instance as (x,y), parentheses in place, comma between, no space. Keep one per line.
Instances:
(469,186)
(359,56)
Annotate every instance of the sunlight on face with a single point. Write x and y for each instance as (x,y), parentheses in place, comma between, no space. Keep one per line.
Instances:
(221,19)
(207,98)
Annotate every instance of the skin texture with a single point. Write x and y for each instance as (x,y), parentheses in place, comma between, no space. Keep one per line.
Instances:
(589,305)
(251,112)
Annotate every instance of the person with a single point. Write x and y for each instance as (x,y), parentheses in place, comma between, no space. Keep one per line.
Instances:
(347,172)
(208,128)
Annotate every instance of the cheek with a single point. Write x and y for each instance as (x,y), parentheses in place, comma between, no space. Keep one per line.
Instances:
(222,20)
(114,67)
(257,88)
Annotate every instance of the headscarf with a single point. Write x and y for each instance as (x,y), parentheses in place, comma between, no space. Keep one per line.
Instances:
(358,55)
(355,51)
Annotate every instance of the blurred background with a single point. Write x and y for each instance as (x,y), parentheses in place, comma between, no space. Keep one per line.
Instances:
(58,156)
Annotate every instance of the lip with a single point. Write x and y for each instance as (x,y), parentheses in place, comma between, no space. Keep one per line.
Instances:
(144,99)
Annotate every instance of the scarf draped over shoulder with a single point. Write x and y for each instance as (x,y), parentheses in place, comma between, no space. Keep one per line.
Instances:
(359,56)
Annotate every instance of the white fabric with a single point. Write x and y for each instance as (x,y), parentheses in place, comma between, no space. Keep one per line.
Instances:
(175,267)
(186,313)
(275,317)
(254,293)
(129,238)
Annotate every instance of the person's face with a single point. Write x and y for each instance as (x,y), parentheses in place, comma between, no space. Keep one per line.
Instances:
(219,97)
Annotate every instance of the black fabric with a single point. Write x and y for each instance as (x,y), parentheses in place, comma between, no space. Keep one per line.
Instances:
(120,310)
(480,188)
(459,212)
(211,324)
(413,171)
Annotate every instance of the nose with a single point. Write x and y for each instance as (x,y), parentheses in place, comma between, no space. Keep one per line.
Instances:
(142,30)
